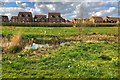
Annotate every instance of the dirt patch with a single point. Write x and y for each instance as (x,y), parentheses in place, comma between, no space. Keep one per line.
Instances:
(95,37)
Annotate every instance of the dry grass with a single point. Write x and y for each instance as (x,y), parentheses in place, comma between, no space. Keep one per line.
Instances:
(11,45)
(15,40)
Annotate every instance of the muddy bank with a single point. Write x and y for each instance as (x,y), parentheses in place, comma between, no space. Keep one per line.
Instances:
(45,44)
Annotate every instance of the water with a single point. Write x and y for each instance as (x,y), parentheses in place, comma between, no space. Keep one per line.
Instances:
(37,46)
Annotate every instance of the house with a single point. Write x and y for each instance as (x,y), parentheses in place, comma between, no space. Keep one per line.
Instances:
(25,17)
(86,20)
(75,21)
(14,19)
(111,19)
(55,17)
(78,21)
(4,18)
(96,19)
(67,21)
(40,18)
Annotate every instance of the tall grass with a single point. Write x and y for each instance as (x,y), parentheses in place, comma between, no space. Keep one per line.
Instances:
(15,40)
(13,45)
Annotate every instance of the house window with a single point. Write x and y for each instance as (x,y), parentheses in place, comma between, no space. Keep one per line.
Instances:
(13,20)
(27,19)
(23,15)
(43,20)
(35,19)
(53,16)
(58,16)
(28,15)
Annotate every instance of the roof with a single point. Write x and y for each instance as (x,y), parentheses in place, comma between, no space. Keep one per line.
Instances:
(97,17)
(3,16)
(13,17)
(113,18)
(86,19)
(68,20)
(40,15)
(54,13)
(25,13)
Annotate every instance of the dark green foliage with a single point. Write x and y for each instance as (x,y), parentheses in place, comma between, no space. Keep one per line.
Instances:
(30,24)
(104,57)
(15,49)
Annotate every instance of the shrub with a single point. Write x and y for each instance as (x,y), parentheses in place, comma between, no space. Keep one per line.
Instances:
(38,24)
(104,57)
(14,49)
(14,44)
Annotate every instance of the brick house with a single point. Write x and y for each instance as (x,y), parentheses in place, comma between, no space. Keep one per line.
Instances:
(55,17)
(96,19)
(86,20)
(40,18)
(75,21)
(111,19)
(4,18)
(67,21)
(25,17)
(14,19)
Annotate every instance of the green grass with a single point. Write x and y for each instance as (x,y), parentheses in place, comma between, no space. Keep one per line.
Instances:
(40,31)
(77,60)
(32,32)
(105,30)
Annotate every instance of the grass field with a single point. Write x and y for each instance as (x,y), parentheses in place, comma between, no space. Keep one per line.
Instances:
(74,60)
(56,31)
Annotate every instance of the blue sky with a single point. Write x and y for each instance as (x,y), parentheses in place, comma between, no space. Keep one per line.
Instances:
(69,10)
(13,4)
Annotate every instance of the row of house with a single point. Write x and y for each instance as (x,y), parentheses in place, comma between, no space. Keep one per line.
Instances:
(98,19)
(27,17)
(56,17)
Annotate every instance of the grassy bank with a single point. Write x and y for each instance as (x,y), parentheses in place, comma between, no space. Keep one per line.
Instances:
(56,31)
(80,59)
(77,60)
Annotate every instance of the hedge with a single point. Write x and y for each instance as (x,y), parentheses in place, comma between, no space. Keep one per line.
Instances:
(48,24)
(31,24)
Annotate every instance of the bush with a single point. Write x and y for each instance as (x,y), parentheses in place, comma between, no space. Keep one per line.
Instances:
(104,57)
(14,49)
(38,24)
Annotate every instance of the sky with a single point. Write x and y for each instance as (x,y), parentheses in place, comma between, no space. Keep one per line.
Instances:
(68,9)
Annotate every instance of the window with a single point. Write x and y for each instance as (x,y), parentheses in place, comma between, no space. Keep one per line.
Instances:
(43,20)
(23,15)
(13,20)
(53,16)
(35,19)
(58,16)
(27,19)
(28,15)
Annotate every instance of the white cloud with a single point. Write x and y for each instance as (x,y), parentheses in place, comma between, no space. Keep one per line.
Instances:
(20,4)
(108,12)
(73,0)
(69,10)
(51,7)
(11,11)
(61,0)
